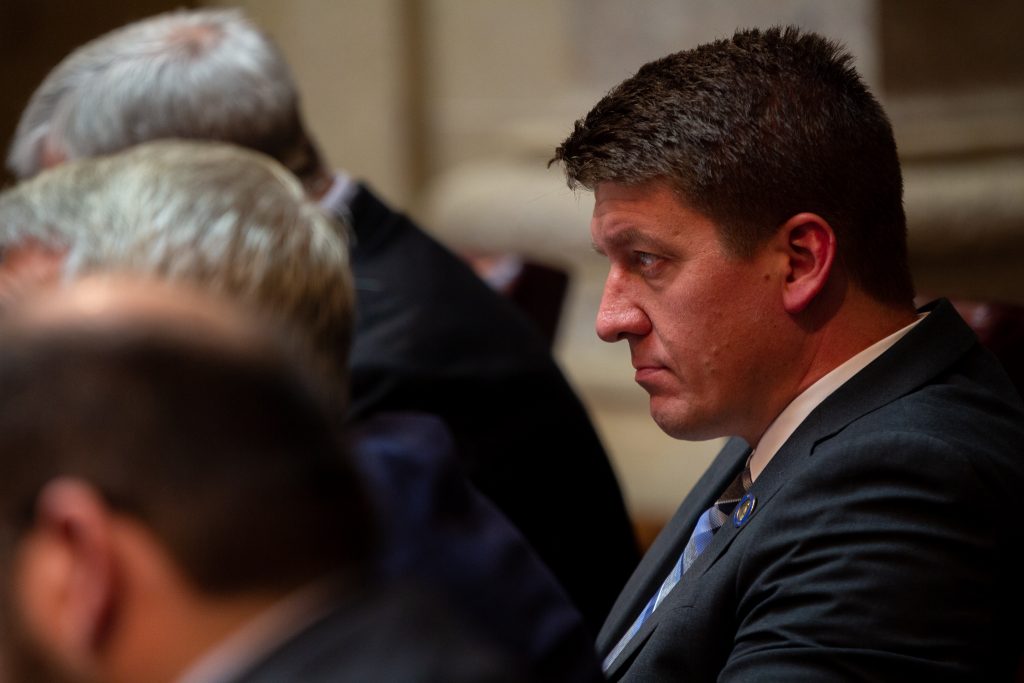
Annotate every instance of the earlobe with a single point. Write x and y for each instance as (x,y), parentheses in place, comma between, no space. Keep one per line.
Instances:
(28,265)
(810,247)
(51,154)
(69,578)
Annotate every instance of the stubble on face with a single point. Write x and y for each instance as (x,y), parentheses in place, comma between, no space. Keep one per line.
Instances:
(700,352)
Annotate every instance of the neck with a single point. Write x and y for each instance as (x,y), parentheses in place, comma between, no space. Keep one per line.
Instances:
(163,622)
(858,327)
(317,183)
(163,647)
(828,340)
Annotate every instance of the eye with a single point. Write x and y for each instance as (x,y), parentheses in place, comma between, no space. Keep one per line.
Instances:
(646,261)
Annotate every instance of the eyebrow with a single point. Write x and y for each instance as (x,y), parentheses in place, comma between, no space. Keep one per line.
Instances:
(632,236)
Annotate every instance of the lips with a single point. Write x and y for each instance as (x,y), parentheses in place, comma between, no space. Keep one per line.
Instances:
(647,366)
(647,373)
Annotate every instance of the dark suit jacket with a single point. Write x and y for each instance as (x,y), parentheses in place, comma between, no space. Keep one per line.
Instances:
(432,337)
(440,533)
(382,635)
(884,544)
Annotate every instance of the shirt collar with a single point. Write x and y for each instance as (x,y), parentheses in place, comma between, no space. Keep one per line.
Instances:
(261,635)
(340,194)
(337,201)
(800,407)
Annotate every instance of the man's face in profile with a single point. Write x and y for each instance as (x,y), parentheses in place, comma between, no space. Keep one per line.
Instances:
(696,317)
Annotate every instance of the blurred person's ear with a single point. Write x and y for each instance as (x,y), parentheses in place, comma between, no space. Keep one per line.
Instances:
(65,578)
(52,154)
(27,265)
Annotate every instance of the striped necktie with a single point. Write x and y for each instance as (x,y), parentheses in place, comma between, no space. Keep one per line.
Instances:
(707,524)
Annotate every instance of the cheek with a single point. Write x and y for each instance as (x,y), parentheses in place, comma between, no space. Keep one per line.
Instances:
(721,341)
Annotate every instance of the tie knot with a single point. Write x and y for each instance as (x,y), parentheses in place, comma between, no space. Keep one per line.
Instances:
(738,488)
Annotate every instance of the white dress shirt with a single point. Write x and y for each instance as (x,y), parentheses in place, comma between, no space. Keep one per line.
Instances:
(340,194)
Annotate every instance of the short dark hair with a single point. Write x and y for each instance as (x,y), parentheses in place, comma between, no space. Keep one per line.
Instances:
(751,131)
(225,451)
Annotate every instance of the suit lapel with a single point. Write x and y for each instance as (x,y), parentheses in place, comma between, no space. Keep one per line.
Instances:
(665,550)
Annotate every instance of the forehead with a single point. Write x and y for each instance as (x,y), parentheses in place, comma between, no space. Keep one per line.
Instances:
(648,213)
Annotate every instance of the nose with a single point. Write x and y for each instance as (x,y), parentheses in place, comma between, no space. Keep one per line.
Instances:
(619,316)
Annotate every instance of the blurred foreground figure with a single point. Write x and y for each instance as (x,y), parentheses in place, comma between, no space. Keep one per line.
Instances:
(233,221)
(429,336)
(862,524)
(177,506)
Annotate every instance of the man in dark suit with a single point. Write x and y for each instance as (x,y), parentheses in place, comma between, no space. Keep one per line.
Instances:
(862,524)
(121,399)
(430,336)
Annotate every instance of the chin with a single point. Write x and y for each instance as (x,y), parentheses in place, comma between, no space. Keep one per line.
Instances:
(681,421)
(678,426)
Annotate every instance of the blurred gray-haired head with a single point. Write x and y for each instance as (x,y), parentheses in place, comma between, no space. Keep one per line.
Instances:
(216,216)
(206,74)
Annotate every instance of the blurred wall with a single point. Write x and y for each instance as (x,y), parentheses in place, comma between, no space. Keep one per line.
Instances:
(351,59)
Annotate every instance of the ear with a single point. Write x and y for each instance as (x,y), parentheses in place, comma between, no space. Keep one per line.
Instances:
(810,247)
(51,154)
(27,265)
(66,579)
